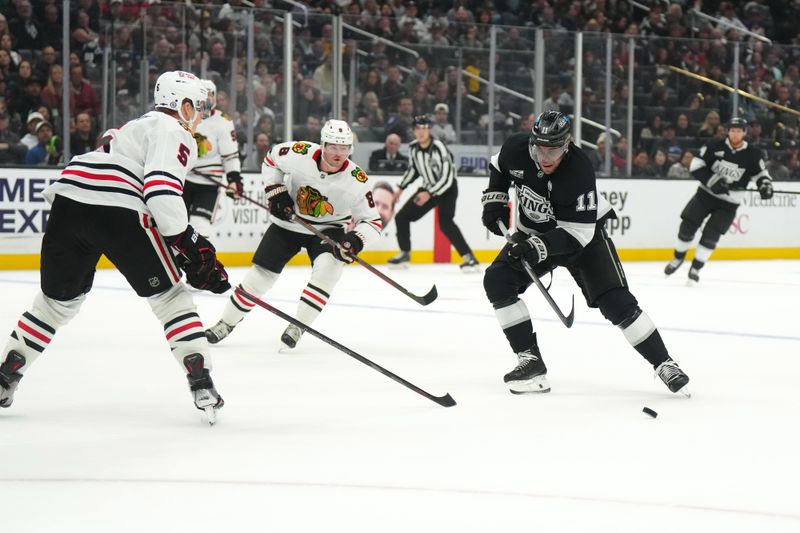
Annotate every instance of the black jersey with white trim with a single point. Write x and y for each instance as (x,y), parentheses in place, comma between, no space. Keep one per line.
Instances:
(718,160)
(563,207)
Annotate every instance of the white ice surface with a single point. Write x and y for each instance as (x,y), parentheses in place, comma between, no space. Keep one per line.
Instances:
(103,436)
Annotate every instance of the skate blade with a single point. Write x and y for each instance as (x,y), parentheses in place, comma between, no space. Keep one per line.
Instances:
(210,415)
(691,283)
(401,266)
(535,385)
(471,270)
(684,391)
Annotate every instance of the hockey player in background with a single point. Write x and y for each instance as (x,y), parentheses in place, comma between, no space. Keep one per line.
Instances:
(124,200)
(429,158)
(559,222)
(323,187)
(218,155)
(724,168)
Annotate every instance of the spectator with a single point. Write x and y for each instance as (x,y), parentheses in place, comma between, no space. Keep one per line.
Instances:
(52,27)
(401,122)
(45,63)
(777,170)
(82,140)
(30,139)
(83,96)
(651,132)
(308,100)
(680,169)
(257,157)
(388,158)
(323,79)
(203,34)
(660,163)
(441,128)
(12,151)
(25,28)
(125,111)
(311,131)
(370,113)
(48,150)
(7,44)
(668,139)
(29,100)
(641,167)
(422,102)
(260,104)
(392,89)
(682,126)
(619,155)
(409,17)
(85,40)
(709,126)
(383,195)
(53,92)
(596,156)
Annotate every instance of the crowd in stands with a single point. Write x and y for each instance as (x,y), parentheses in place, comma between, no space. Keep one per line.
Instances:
(673,114)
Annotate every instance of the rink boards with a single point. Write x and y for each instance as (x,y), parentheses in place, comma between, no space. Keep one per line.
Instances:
(646,227)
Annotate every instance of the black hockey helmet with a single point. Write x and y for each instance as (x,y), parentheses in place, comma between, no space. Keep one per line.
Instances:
(552,128)
(422,120)
(737,122)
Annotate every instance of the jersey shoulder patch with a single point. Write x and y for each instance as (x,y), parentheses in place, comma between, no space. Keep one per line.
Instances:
(300,147)
(359,174)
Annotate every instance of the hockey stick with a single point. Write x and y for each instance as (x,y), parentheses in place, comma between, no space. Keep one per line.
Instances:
(566,320)
(444,401)
(422,300)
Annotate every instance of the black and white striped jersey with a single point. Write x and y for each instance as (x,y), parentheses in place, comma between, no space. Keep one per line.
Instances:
(218,149)
(142,166)
(719,161)
(433,164)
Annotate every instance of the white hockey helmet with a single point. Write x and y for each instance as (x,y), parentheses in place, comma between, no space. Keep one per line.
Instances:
(173,87)
(337,132)
(211,87)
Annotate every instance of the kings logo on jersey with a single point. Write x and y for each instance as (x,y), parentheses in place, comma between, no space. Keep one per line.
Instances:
(300,148)
(311,202)
(536,207)
(359,175)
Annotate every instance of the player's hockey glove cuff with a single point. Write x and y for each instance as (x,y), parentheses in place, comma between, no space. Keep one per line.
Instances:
(280,203)
(765,189)
(351,244)
(495,206)
(533,249)
(235,188)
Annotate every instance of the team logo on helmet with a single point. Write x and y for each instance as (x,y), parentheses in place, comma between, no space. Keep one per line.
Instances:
(359,174)
(300,148)
(311,202)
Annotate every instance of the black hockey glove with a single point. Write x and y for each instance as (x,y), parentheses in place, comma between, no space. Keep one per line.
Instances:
(765,189)
(495,206)
(235,188)
(352,244)
(280,203)
(529,247)
(198,259)
(717,184)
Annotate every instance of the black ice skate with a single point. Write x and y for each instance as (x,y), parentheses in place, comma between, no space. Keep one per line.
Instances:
(206,398)
(674,265)
(9,377)
(218,331)
(291,335)
(673,377)
(401,260)
(694,276)
(530,375)
(470,264)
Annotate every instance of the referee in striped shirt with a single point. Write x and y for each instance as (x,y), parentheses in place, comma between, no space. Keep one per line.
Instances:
(430,160)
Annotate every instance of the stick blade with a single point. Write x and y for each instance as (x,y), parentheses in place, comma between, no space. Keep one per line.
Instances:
(571,317)
(430,297)
(445,401)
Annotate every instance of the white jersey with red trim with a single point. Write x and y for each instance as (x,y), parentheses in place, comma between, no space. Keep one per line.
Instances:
(217,147)
(326,200)
(141,166)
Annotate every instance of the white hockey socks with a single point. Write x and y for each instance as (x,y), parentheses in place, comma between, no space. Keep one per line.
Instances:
(182,326)
(325,274)
(257,281)
(37,327)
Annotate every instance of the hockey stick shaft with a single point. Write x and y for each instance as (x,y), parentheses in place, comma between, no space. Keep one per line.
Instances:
(567,320)
(444,401)
(422,300)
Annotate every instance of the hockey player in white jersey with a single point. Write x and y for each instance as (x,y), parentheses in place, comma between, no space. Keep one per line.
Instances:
(218,155)
(124,200)
(323,187)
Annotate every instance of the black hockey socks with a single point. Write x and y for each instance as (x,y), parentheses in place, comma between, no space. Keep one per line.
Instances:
(641,333)
(513,316)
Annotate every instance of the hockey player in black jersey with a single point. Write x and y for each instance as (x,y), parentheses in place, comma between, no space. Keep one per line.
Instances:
(724,169)
(559,223)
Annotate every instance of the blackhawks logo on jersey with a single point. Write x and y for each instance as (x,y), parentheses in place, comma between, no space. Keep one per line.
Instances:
(300,148)
(203,144)
(311,202)
(359,174)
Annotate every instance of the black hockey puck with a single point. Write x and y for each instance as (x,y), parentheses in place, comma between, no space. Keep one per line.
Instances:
(650,412)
